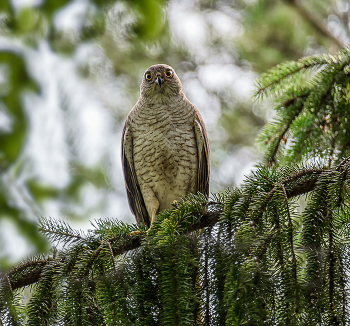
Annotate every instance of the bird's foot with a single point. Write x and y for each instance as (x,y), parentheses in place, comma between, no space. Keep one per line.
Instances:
(137,232)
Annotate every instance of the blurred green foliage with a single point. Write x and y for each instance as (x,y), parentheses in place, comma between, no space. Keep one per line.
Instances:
(277,31)
(32,25)
(17,82)
(12,141)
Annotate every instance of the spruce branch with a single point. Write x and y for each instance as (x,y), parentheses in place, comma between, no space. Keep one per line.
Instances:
(111,253)
(9,282)
(273,82)
(265,247)
(310,109)
(342,163)
(299,190)
(92,258)
(294,260)
(60,231)
(31,263)
(331,262)
(294,185)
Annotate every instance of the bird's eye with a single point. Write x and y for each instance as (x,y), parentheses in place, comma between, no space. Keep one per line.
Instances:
(148,76)
(168,73)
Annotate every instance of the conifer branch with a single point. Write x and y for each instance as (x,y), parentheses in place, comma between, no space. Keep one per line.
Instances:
(30,272)
(111,252)
(262,88)
(294,260)
(281,137)
(265,246)
(92,259)
(31,263)
(331,262)
(342,163)
(65,234)
(299,190)
(9,283)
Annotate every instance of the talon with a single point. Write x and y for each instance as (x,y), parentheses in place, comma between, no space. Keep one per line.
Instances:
(175,203)
(136,232)
(153,218)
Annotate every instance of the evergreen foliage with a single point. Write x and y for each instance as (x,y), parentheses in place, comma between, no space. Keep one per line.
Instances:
(251,256)
(312,98)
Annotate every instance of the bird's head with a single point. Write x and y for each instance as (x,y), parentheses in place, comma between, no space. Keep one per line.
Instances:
(160,81)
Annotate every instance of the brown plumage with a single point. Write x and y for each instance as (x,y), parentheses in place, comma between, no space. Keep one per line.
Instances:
(165,148)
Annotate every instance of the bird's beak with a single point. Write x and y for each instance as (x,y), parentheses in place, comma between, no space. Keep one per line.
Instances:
(159,81)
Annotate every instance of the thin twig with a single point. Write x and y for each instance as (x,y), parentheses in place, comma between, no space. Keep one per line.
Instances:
(92,258)
(9,283)
(62,233)
(111,252)
(292,248)
(342,163)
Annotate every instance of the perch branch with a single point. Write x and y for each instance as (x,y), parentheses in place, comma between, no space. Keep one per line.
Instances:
(135,241)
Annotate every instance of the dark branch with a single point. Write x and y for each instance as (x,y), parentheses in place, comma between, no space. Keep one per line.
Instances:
(28,279)
(130,242)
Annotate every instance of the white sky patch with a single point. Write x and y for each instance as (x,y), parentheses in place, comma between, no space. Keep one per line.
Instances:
(208,105)
(72,16)
(5,119)
(16,247)
(217,77)
(187,25)
(224,24)
(241,159)
(25,3)
(46,141)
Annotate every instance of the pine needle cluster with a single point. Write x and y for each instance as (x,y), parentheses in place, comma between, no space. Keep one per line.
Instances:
(248,256)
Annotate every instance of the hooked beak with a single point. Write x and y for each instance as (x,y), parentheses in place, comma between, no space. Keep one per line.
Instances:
(159,81)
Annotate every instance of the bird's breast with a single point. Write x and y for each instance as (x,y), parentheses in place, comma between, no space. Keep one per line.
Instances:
(164,145)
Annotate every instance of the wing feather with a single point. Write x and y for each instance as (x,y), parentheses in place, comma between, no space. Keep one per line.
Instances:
(135,198)
(203,179)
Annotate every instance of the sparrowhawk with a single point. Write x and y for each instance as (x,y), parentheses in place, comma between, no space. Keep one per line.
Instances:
(165,148)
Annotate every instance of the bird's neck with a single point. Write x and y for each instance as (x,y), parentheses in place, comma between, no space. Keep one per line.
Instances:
(162,99)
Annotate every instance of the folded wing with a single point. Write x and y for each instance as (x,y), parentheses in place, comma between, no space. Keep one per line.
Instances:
(203,177)
(136,202)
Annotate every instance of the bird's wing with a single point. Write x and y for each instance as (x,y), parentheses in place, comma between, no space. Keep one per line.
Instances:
(136,202)
(203,155)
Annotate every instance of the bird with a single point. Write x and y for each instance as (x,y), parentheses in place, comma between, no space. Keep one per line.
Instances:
(165,147)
